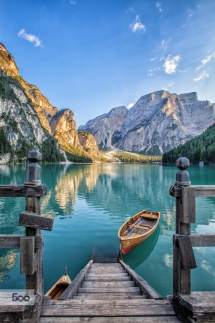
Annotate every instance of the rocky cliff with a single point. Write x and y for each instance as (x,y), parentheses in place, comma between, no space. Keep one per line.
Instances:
(27,116)
(157,122)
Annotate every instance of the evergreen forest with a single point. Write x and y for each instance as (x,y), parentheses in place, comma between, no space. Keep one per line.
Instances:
(200,148)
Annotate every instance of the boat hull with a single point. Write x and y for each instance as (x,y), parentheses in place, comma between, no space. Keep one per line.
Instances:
(127,243)
(59,287)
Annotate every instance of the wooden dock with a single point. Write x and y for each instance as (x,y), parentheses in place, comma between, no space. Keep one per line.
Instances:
(108,292)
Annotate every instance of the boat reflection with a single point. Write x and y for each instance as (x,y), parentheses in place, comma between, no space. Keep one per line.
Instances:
(136,256)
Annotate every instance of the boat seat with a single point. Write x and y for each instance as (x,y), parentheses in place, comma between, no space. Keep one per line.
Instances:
(142,227)
(140,231)
(148,223)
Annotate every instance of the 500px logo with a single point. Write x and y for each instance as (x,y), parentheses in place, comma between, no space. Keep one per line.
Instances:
(9,296)
(20,298)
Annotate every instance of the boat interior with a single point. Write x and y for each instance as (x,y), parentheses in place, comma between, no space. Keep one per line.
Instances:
(139,226)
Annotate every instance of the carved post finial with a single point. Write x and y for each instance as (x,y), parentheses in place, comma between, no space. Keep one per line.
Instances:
(33,169)
(182,176)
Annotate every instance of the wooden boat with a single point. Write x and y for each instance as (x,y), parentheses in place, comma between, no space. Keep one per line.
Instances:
(59,287)
(137,229)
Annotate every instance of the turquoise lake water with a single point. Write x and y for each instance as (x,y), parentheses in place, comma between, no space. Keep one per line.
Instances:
(89,203)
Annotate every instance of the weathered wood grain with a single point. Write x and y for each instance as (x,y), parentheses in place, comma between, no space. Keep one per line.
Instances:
(13,241)
(107,284)
(198,302)
(109,290)
(144,286)
(129,307)
(199,240)
(204,190)
(115,296)
(22,191)
(103,278)
(36,221)
(122,319)
(188,214)
(186,251)
(73,288)
(27,256)
(103,259)
(202,240)
(106,271)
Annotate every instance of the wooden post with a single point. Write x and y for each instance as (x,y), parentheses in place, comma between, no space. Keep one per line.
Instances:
(181,275)
(34,281)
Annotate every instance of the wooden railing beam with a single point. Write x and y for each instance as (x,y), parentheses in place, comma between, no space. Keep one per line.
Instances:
(8,241)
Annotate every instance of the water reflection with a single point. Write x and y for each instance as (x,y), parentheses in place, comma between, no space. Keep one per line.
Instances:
(136,256)
(90,203)
(8,259)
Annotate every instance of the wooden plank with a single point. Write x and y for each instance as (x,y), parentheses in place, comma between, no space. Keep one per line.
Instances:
(202,240)
(111,266)
(101,296)
(144,286)
(13,241)
(187,255)
(101,276)
(109,290)
(22,191)
(188,214)
(21,312)
(98,259)
(204,190)
(107,279)
(27,256)
(198,302)
(129,307)
(122,319)
(106,272)
(36,221)
(108,284)
(73,288)
(181,276)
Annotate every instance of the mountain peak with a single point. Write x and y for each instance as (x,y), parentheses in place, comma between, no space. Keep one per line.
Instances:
(157,122)
(7,62)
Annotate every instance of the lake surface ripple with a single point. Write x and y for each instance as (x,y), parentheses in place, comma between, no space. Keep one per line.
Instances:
(90,203)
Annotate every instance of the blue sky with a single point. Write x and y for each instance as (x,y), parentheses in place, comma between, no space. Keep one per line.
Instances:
(93,55)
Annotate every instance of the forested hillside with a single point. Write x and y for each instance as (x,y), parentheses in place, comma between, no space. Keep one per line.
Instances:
(201,148)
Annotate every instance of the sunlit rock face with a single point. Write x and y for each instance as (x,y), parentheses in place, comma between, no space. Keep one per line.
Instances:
(20,120)
(88,142)
(156,123)
(42,106)
(63,128)
(107,128)
(30,114)
(7,62)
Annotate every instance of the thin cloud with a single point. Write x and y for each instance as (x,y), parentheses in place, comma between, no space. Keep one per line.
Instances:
(190,13)
(131,9)
(153,59)
(158,5)
(73,2)
(171,84)
(165,43)
(206,60)
(29,37)
(171,63)
(201,76)
(137,25)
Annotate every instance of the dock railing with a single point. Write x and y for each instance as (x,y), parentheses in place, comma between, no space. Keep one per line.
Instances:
(30,244)
(183,243)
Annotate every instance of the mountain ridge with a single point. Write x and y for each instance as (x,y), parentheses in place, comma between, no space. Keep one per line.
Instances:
(156,123)
(17,95)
